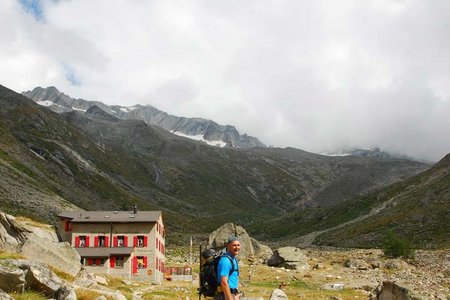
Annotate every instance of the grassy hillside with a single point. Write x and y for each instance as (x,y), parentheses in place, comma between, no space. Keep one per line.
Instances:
(417,209)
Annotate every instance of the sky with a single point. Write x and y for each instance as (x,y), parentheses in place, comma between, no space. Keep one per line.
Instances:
(317,75)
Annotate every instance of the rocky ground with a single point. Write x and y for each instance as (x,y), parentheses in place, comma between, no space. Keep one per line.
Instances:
(427,275)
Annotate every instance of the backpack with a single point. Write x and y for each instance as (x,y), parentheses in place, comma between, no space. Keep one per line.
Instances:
(209,259)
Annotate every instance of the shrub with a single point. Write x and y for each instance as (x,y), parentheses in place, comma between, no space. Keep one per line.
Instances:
(394,246)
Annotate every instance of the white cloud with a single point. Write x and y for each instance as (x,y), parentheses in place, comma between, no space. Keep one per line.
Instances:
(316,75)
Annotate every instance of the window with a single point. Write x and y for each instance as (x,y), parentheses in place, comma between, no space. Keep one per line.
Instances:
(141,262)
(68,226)
(101,241)
(82,242)
(140,241)
(120,241)
(120,262)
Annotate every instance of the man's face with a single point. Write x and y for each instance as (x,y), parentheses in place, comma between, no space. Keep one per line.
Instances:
(234,247)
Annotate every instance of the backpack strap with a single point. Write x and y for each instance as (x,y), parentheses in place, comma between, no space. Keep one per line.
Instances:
(232,265)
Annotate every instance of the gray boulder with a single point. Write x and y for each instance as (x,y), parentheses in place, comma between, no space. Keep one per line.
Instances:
(249,246)
(12,233)
(12,279)
(289,258)
(389,290)
(37,276)
(65,293)
(5,296)
(56,254)
(278,294)
(39,242)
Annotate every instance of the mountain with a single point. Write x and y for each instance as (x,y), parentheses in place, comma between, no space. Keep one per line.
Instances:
(417,209)
(194,128)
(373,152)
(93,160)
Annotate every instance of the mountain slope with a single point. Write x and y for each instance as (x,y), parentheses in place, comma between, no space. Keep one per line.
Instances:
(94,161)
(207,130)
(417,209)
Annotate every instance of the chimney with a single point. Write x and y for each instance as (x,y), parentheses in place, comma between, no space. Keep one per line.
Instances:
(135,209)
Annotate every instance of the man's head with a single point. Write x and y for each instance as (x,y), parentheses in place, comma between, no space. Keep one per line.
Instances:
(233,245)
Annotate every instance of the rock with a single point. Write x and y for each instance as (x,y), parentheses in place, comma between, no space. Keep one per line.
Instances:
(249,246)
(5,296)
(101,280)
(396,264)
(39,277)
(289,258)
(65,293)
(389,290)
(24,274)
(12,233)
(12,279)
(85,279)
(28,239)
(356,264)
(376,264)
(101,298)
(332,286)
(278,294)
(56,254)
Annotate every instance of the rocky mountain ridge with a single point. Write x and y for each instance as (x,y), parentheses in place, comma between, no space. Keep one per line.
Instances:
(196,128)
(91,160)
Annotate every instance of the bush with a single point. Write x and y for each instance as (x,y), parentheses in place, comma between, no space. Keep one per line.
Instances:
(394,246)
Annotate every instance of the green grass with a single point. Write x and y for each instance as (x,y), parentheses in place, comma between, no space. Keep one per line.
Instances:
(29,295)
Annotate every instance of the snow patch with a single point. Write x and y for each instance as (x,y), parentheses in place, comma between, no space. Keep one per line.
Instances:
(128,109)
(48,103)
(200,138)
(79,109)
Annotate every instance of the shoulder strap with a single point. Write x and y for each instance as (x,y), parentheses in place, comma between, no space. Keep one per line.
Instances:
(233,268)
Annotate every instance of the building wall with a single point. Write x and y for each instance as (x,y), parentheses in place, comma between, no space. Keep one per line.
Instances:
(152,255)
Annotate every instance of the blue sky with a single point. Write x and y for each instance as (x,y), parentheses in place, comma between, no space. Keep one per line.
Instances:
(33,7)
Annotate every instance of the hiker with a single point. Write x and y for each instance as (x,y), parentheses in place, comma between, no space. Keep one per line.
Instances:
(228,272)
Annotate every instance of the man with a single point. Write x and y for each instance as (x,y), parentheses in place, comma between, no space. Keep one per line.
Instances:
(228,272)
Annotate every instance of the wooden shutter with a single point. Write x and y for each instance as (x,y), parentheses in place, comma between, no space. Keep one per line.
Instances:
(87,241)
(106,241)
(97,262)
(125,241)
(135,265)
(95,241)
(89,262)
(112,262)
(135,241)
(145,262)
(145,241)
(77,241)
(115,241)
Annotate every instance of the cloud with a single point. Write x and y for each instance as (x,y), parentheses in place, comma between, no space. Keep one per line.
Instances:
(316,75)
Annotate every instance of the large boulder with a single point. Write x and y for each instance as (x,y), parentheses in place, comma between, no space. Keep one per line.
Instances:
(289,258)
(59,255)
(5,296)
(249,246)
(12,279)
(35,275)
(12,233)
(38,242)
(389,290)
